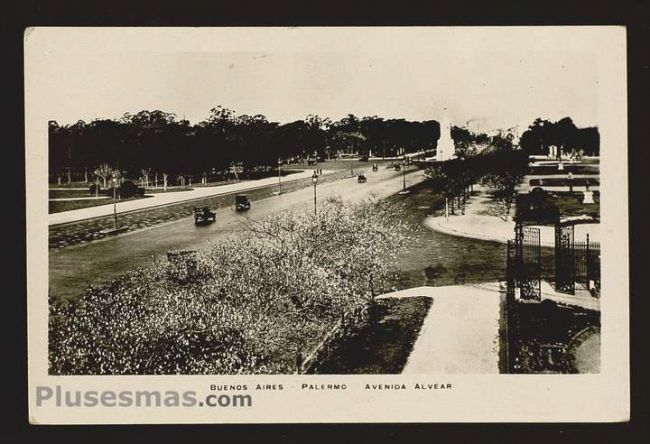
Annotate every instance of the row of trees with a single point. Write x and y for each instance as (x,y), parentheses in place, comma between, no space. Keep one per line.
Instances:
(467,142)
(500,167)
(251,303)
(158,142)
(563,134)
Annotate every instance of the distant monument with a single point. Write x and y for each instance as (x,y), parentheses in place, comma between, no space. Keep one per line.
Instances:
(446,149)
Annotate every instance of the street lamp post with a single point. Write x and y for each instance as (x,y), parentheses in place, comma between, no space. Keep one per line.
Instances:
(403,168)
(463,186)
(279,176)
(314,180)
(404,172)
(115,201)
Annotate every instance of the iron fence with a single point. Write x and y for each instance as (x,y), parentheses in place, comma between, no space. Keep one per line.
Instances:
(587,265)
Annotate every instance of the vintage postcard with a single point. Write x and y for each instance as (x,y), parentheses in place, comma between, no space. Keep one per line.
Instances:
(263,225)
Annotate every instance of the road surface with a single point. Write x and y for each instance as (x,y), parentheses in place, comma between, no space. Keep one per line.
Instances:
(72,269)
(158,199)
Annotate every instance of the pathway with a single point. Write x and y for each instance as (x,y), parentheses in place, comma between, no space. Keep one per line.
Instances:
(72,199)
(585,349)
(476,224)
(460,334)
(582,298)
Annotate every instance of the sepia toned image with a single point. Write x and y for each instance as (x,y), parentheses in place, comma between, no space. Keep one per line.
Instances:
(204,255)
(306,202)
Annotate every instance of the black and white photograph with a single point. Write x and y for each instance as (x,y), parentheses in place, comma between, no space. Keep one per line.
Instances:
(244,202)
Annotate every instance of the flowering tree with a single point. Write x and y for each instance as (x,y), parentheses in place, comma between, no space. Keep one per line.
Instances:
(246,304)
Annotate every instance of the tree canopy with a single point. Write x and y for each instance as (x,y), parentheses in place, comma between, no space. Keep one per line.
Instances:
(160,142)
(563,134)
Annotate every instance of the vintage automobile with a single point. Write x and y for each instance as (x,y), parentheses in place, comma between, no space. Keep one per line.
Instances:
(204,216)
(398,167)
(362,179)
(129,189)
(242,203)
(126,190)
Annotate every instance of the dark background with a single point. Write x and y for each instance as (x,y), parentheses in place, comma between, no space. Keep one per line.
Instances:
(17,15)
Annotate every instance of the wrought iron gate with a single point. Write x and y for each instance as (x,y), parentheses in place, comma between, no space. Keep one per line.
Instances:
(511,270)
(524,264)
(565,259)
(587,260)
(593,265)
(531,273)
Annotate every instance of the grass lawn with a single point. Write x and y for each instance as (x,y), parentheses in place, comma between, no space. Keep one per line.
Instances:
(65,193)
(564,182)
(421,201)
(434,259)
(168,190)
(383,344)
(552,169)
(60,206)
(64,185)
(337,165)
(570,204)
(250,175)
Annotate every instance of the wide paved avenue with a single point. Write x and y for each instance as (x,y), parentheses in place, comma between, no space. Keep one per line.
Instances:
(158,199)
(73,268)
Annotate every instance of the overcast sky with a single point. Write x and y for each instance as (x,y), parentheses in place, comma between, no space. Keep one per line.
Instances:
(503,77)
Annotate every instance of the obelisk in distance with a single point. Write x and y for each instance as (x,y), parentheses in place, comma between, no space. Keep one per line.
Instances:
(446,149)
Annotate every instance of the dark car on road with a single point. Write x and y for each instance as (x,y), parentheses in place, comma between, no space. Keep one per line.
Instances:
(127,190)
(242,203)
(362,179)
(204,216)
